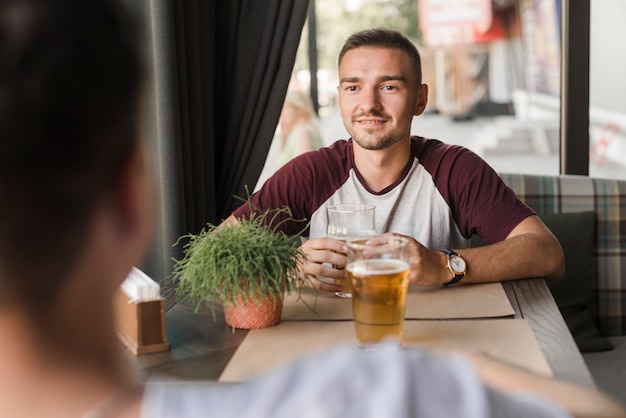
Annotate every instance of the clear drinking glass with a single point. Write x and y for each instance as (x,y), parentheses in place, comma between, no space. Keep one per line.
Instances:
(346,222)
(378,269)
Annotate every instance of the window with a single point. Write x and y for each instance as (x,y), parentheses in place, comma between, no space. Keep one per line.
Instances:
(607,90)
(495,84)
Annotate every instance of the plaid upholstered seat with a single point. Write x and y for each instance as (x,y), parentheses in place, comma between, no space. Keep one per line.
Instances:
(607,198)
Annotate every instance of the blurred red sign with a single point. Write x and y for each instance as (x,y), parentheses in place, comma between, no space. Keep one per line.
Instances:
(453,21)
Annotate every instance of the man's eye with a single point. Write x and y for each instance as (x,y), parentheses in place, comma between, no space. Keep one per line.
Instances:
(389,88)
(351,88)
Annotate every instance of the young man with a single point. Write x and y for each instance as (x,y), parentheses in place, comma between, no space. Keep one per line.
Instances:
(76,213)
(437,195)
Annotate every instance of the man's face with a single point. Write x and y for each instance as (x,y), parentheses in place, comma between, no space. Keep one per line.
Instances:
(378,96)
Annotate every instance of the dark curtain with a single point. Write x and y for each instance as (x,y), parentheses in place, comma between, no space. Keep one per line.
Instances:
(221,71)
(257,45)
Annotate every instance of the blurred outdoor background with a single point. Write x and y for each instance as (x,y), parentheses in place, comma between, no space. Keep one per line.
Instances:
(494,73)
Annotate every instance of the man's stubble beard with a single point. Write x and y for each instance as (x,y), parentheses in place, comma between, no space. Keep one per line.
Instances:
(376,144)
(382,143)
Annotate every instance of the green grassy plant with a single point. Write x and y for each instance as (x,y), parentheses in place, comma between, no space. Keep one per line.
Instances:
(249,259)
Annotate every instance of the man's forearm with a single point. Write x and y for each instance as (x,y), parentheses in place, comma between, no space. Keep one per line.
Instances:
(580,401)
(531,250)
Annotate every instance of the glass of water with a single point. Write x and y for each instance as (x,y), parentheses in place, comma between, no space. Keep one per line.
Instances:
(346,222)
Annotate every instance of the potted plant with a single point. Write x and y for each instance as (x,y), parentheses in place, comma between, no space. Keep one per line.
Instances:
(248,265)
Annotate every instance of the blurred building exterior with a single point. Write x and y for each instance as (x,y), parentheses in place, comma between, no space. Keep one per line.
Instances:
(494,73)
(478,53)
(502,59)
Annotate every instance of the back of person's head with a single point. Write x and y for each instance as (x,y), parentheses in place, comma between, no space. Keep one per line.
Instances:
(70,84)
(383,38)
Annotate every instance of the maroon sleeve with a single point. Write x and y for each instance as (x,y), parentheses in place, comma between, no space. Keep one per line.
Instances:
(480,201)
(302,185)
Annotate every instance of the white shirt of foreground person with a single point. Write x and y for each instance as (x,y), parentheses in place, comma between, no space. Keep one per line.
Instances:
(350,382)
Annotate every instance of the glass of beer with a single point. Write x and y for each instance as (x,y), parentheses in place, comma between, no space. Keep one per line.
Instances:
(378,269)
(346,222)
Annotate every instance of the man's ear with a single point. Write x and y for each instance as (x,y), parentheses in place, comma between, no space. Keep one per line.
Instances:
(338,96)
(422,99)
(135,198)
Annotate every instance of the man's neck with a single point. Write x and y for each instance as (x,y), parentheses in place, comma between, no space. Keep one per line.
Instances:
(65,358)
(380,169)
(37,380)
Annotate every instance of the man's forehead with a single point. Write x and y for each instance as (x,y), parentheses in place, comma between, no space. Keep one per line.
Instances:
(371,51)
(385,61)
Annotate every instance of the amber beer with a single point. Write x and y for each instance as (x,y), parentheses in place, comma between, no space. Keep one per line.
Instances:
(379,288)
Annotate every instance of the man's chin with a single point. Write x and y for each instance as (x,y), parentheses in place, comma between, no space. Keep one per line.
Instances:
(374,143)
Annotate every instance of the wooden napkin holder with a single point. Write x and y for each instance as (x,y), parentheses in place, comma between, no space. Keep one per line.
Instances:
(141,325)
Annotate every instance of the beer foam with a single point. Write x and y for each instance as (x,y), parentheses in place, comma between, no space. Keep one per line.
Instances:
(377,266)
(349,234)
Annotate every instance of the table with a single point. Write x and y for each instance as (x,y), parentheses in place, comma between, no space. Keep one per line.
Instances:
(533,301)
(201,347)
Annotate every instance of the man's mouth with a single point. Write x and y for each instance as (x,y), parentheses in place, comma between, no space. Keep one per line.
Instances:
(370,121)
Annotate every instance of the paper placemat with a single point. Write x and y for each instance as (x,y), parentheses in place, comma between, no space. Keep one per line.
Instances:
(483,300)
(510,340)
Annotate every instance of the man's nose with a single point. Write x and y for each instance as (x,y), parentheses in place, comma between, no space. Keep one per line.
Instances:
(370,100)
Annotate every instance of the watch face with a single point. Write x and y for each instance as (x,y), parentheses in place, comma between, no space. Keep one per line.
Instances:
(457,264)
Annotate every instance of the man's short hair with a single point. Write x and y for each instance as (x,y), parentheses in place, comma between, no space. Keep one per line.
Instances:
(383,38)
(70,81)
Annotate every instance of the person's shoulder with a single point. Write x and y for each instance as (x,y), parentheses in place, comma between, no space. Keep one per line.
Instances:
(436,145)
(426,149)
(303,129)
(339,150)
(327,166)
(340,146)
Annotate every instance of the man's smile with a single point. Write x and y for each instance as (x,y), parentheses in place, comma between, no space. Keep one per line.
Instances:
(370,122)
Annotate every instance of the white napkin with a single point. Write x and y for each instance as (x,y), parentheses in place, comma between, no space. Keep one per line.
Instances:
(139,287)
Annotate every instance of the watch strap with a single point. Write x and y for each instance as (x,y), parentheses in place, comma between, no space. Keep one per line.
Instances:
(457,277)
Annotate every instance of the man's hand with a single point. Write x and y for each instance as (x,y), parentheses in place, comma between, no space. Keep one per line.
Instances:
(319,251)
(530,250)
(428,267)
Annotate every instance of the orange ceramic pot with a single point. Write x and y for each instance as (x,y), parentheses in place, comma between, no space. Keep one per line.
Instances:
(250,314)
